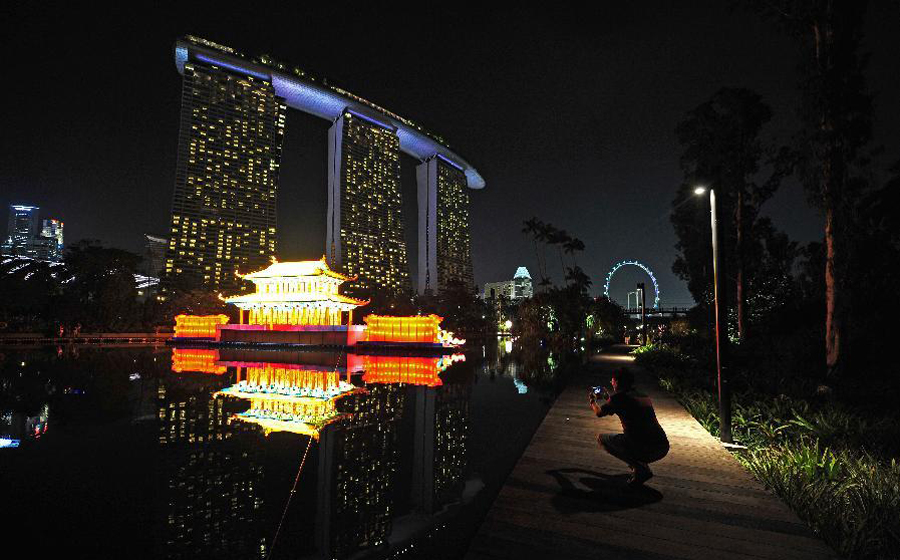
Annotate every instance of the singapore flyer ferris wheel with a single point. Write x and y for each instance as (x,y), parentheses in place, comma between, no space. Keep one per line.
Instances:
(640,265)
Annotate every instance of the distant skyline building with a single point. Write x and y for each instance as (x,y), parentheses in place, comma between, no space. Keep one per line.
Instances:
(25,239)
(223,216)
(154,255)
(49,246)
(21,230)
(364,221)
(445,253)
(226,178)
(520,287)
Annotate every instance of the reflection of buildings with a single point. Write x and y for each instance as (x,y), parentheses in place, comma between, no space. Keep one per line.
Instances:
(440,456)
(357,466)
(200,360)
(439,414)
(520,287)
(396,445)
(212,498)
(290,398)
(16,427)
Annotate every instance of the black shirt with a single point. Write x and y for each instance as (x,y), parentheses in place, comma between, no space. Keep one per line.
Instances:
(638,418)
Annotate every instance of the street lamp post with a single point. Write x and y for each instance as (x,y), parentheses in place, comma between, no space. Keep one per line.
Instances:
(643,303)
(721,322)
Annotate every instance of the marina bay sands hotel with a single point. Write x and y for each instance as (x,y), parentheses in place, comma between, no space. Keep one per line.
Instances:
(233,112)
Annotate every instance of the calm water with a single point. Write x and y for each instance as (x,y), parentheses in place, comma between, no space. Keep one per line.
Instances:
(159,453)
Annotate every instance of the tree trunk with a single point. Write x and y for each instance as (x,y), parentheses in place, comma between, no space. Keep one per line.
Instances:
(832,181)
(739,259)
(562,266)
(537,255)
(833,323)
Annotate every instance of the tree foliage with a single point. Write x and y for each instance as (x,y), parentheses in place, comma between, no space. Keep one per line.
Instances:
(722,149)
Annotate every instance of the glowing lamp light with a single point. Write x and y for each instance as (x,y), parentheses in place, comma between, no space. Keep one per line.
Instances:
(699,191)
(415,328)
(198,326)
(296,293)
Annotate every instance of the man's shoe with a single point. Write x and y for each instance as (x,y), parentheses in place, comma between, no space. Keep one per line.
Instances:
(639,476)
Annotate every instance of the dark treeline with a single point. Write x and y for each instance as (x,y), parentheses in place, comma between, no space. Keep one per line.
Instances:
(92,290)
(823,309)
(563,316)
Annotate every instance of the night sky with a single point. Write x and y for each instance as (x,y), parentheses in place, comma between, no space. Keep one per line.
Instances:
(568,115)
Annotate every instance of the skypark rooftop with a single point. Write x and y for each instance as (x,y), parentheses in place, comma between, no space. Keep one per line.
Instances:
(328,102)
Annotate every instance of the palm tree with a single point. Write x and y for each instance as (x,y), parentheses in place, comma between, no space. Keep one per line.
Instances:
(558,237)
(534,228)
(571,246)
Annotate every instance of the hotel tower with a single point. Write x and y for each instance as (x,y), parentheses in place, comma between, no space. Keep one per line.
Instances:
(229,152)
(364,221)
(226,178)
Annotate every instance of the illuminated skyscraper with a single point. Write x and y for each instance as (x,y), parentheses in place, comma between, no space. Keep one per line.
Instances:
(49,246)
(445,253)
(229,154)
(21,230)
(154,255)
(223,216)
(364,224)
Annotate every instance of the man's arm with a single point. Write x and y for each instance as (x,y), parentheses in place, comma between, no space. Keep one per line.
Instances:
(601,410)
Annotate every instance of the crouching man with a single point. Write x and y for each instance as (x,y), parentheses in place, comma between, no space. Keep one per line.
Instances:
(643,440)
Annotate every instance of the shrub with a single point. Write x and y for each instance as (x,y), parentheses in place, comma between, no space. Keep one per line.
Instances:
(852,501)
(833,463)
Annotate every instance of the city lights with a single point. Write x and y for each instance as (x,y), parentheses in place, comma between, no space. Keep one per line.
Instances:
(296,293)
(381,328)
(198,326)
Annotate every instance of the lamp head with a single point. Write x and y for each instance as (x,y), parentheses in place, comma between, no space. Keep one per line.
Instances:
(700,191)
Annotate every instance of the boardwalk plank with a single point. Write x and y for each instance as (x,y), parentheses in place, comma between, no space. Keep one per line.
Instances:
(566,498)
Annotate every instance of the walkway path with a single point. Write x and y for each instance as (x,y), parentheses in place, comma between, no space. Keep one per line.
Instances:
(566,498)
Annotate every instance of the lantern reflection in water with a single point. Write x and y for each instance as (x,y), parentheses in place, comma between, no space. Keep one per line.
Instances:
(290,398)
(199,360)
(409,370)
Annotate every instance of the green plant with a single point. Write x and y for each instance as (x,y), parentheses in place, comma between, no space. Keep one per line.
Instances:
(831,463)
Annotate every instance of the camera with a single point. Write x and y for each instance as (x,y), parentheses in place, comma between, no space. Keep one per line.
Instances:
(600,392)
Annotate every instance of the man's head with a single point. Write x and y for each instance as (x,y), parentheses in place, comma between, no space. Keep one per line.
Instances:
(622,380)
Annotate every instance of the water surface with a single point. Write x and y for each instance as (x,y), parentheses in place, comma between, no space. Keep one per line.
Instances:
(152,452)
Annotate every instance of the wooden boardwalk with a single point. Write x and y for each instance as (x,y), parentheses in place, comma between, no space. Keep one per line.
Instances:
(566,498)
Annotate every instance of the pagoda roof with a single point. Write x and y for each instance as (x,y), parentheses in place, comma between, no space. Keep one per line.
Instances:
(296,269)
(295,298)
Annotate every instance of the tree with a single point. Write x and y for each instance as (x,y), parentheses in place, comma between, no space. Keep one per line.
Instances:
(836,114)
(722,149)
(532,227)
(101,292)
(548,234)
(571,246)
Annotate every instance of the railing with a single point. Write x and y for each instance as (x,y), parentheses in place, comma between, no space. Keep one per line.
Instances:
(84,338)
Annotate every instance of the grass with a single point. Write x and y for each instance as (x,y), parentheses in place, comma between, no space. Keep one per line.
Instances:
(834,466)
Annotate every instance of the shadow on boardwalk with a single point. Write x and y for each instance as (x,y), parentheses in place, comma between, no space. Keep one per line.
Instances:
(566,498)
